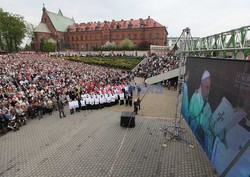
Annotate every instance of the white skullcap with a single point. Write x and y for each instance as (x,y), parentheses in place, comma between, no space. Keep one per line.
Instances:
(205,75)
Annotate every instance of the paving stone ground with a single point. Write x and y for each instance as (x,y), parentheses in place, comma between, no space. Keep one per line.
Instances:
(159,104)
(86,144)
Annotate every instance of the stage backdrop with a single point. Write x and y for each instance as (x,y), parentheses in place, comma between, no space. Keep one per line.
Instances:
(216,105)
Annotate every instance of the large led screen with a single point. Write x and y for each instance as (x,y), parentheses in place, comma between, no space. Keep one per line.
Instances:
(216,105)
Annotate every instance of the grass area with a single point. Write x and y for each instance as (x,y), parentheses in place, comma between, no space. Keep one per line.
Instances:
(126,63)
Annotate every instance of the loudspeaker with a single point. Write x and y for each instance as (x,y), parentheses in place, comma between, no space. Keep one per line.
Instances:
(128,119)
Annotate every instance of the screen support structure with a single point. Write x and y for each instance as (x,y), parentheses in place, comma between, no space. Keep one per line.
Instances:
(175,130)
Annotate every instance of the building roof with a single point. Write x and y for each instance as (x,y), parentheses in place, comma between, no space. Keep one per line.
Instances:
(60,22)
(122,24)
(42,27)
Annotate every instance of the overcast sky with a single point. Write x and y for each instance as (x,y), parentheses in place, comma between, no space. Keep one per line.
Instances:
(203,17)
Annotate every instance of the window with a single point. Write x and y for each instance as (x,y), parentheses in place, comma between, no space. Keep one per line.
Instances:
(150,35)
(72,38)
(96,37)
(130,25)
(157,36)
(117,36)
(68,38)
(141,36)
(77,46)
(61,38)
(86,38)
(135,36)
(101,37)
(111,36)
(73,46)
(77,38)
(90,37)
(123,36)
(129,37)
(81,38)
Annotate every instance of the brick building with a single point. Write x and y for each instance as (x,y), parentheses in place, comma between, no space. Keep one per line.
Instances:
(66,34)
(52,28)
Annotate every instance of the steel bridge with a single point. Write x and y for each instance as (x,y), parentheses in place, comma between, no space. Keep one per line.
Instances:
(230,44)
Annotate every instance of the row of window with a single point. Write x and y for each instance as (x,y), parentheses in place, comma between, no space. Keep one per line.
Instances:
(83,47)
(117,36)
(89,46)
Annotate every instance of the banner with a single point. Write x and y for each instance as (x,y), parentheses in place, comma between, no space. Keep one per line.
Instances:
(216,105)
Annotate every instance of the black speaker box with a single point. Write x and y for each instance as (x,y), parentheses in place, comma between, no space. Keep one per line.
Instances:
(125,119)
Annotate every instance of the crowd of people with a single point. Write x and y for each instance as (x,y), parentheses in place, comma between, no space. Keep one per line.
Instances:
(156,65)
(99,54)
(32,85)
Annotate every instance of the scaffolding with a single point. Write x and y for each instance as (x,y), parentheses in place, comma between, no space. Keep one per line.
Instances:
(175,130)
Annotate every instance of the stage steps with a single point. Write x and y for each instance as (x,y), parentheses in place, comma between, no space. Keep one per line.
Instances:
(164,76)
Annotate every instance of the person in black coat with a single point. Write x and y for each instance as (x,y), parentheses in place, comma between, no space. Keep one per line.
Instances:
(139,103)
(135,107)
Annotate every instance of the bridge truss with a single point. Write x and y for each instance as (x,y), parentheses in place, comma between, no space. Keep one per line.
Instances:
(230,44)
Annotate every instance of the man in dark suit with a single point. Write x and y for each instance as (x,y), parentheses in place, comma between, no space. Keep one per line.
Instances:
(135,107)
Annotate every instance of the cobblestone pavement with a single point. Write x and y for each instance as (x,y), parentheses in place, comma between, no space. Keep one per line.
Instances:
(153,105)
(86,144)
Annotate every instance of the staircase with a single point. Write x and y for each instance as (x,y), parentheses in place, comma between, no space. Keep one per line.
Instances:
(145,60)
(164,76)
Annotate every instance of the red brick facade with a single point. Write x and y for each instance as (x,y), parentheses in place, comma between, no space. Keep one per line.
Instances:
(95,34)
(86,36)
(47,31)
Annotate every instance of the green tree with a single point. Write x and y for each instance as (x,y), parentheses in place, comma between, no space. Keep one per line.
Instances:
(48,47)
(2,17)
(126,44)
(12,30)
(18,30)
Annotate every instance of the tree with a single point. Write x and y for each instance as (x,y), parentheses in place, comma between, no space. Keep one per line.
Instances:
(30,28)
(48,47)
(109,45)
(2,17)
(126,44)
(144,45)
(12,30)
(27,48)
(18,30)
